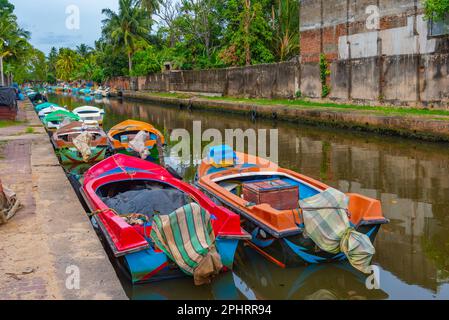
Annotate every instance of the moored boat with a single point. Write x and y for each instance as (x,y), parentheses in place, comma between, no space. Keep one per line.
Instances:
(46,111)
(54,120)
(72,148)
(121,189)
(90,115)
(122,135)
(44,105)
(36,98)
(273,203)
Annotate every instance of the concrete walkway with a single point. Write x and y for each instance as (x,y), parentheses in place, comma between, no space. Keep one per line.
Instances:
(50,239)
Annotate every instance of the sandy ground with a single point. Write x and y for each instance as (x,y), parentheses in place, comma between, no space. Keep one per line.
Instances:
(51,232)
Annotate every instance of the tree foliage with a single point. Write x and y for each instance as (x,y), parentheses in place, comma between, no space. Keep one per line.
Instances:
(436,9)
(142,35)
(20,59)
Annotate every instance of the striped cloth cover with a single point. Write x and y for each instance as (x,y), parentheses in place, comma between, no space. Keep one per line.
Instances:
(186,237)
(326,222)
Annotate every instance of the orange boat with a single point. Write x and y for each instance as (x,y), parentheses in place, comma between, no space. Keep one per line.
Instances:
(277,233)
(122,134)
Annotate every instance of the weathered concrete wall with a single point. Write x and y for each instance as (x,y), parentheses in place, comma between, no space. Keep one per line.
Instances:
(310,80)
(277,80)
(435,78)
(399,80)
(365,79)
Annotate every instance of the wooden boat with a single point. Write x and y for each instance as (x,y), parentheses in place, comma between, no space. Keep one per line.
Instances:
(131,244)
(45,105)
(90,115)
(37,98)
(46,111)
(120,135)
(278,233)
(68,153)
(53,121)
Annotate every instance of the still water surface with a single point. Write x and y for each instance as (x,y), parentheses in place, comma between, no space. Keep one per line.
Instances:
(410,177)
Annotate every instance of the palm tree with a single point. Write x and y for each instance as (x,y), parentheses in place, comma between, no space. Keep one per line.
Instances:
(151,6)
(66,64)
(125,28)
(13,41)
(285,19)
(84,50)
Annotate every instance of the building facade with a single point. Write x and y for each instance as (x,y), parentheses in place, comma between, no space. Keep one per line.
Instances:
(378,50)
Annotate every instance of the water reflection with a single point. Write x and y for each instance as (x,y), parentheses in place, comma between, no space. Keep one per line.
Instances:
(411,178)
(256,278)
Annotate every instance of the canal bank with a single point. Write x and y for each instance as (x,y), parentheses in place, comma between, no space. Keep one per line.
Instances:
(408,176)
(422,124)
(50,239)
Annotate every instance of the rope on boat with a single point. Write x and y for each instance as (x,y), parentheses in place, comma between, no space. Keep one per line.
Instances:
(130,174)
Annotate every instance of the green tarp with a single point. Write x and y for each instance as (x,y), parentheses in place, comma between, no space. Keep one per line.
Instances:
(186,237)
(327,224)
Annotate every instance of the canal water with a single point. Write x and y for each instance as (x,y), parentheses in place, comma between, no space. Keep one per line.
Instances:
(410,177)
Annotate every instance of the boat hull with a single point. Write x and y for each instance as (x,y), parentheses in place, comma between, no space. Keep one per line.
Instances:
(73,156)
(290,251)
(150,266)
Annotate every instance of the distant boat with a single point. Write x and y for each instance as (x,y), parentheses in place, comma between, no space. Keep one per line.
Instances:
(90,115)
(54,120)
(46,111)
(44,105)
(122,134)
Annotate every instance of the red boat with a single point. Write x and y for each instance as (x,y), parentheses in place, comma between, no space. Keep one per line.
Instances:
(122,175)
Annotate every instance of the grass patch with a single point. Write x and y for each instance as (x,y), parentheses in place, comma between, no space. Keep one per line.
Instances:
(389,110)
(29,130)
(9,123)
(301,103)
(171,95)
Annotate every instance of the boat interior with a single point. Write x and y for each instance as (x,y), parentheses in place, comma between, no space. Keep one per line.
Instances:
(361,208)
(69,137)
(235,184)
(126,136)
(145,197)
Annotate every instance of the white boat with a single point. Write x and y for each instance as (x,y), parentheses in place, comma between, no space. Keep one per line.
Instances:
(43,113)
(90,115)
(103,92)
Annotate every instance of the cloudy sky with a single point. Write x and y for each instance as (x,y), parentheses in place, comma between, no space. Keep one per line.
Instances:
(55,23)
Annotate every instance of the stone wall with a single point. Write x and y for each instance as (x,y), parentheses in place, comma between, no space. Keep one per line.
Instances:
(400,80)
(277,80)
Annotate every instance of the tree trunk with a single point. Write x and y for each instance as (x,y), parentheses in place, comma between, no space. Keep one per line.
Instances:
(2,83)
(246,25)
(130,62)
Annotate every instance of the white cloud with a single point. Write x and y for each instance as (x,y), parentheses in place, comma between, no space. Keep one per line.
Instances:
(46,20)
